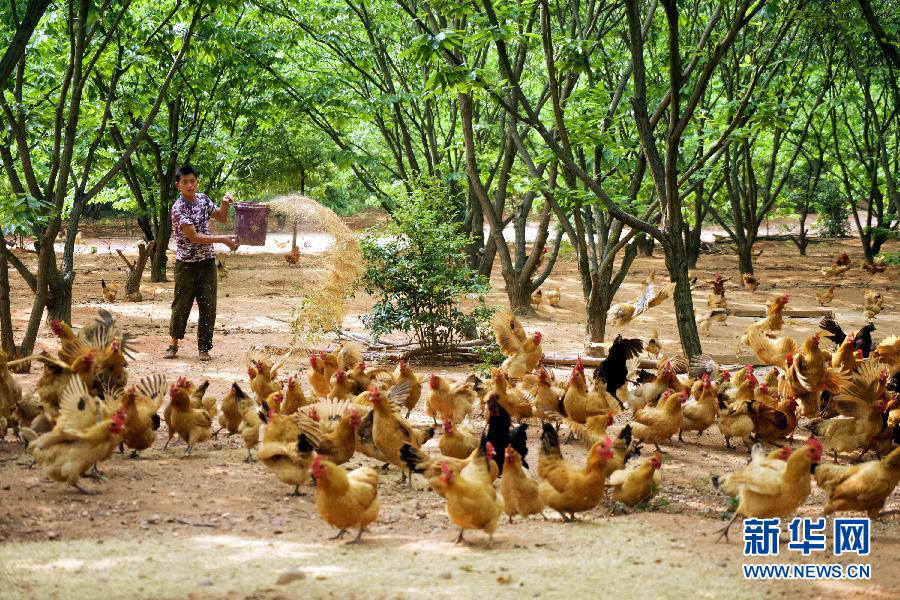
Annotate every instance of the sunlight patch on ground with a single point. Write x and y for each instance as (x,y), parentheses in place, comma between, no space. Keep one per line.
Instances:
(73,564)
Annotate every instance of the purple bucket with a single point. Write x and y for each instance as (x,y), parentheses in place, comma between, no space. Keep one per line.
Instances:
(251,223)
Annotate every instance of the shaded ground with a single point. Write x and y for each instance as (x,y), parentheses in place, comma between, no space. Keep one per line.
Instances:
(212,526)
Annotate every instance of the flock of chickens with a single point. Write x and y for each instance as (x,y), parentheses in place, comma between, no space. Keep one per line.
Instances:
(83,408)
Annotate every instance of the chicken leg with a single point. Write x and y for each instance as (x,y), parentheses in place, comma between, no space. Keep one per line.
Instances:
(724,531)
(84,491)
(459,538)
(358,537)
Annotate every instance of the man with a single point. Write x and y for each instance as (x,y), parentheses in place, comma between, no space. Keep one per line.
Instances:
(195,260)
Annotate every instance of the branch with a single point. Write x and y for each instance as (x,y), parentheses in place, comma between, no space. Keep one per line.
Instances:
(122,256)
(29,278)
(151,116)
(888,47)
(16,48)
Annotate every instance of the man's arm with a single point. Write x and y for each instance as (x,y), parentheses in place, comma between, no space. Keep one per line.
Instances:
(221,213)
(191,233)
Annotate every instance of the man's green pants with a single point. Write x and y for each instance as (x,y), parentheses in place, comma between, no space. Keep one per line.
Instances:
(195,280)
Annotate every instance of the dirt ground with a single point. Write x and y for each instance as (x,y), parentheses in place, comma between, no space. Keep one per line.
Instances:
(213,526)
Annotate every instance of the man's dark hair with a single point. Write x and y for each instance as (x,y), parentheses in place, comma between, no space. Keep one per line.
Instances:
(186,170)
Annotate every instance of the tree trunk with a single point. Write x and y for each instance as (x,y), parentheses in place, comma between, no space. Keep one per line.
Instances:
(158,259)
(745,257)
(596,316)
(486,265)
(59,296)
(519,293)
(676,263)
(645,245)
(136,272)
(801,241)
(6,331)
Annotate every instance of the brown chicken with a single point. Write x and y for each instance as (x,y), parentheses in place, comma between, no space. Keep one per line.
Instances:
(771,352)
(341,387)
(513,400)
(657,424)
(141,404)
(294,399)
(845,358)
(390,431)
(592,430)
(109,291)
(457,442)
(861,405)
(292,257)
(262,375)
(430,465)
(750,282)
(774,461)
(773,492)
(523,353)
(700,411)
(472,501)
(874,267)
(339,444)
(520,492)
(825,298)
(10,394)
(735,421)
(762,395)
(200,400)
(287,445)
(636,483)
(345,500)
(53,382)
(566,488)
(192,425)
(834,271)
(650,392)
(578,403)
(873,303)
(360,377)
(652,295)
(325,364)
(66,453)
(888,354)
(536,298)
(553,297)
(774,423)
(653,346)
(320,373)
(774,320)
(251,421)
(404,374)
(718,285)
(809,373)
(230,415)
(546,396)
(864,487)
(447,400)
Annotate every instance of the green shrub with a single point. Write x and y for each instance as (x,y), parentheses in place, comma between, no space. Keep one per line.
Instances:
(833,210)
(416,269)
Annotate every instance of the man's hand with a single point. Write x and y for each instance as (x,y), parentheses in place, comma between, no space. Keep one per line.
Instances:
(232,242)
